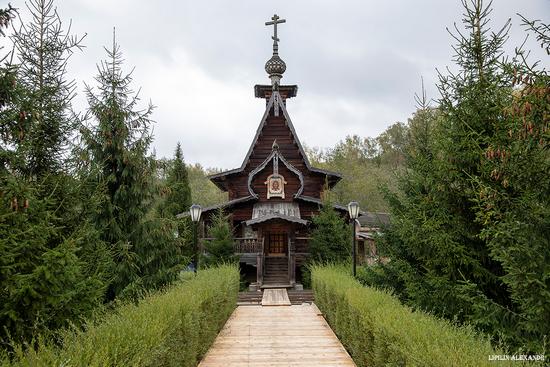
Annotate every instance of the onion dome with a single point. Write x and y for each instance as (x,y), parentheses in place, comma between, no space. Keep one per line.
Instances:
(275,66)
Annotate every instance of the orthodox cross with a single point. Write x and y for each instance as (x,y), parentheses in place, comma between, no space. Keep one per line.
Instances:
(275,20)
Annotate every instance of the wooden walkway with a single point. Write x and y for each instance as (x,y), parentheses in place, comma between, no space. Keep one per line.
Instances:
(275,297)
(259,336)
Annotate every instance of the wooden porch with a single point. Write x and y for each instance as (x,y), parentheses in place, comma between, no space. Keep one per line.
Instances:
(271,271)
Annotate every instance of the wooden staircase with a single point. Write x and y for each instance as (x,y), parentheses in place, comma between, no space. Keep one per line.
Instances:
(276,271)
(295,297)
(299,297)
(249,298)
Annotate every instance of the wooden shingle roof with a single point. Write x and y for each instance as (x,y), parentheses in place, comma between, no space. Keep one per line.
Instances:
(277,105)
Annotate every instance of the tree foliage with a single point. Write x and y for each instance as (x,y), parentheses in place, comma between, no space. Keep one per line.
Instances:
(146,252)
(366,164)
(331,237)
(178,193)
(203,191)
(467,181)
(44,48)
(220,246)
(54,267)
(513,198)
(470,238)
(175,198)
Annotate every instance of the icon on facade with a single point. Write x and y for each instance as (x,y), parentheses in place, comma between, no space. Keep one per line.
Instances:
(275,186)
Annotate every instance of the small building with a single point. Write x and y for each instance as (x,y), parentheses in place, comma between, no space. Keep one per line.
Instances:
(276,191)
(368,226)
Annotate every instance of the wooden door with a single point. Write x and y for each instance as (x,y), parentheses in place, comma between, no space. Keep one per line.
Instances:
(276,243)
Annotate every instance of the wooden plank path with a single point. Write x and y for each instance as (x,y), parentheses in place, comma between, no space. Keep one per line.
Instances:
(275,297)
(259,336)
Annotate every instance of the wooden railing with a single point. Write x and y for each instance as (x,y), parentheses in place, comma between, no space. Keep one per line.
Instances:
(247,246)
(241,245)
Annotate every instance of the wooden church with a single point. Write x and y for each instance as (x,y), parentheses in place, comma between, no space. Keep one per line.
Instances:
(275,192)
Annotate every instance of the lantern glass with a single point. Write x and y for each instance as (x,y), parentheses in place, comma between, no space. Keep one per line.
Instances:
(353,209)
(195,212)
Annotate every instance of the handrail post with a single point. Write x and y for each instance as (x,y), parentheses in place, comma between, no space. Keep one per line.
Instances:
(291,264)
(293,269)
(260,264)
(259,269)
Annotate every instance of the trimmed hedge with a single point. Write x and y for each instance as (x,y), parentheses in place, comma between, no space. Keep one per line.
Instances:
(377,330)
(170,328)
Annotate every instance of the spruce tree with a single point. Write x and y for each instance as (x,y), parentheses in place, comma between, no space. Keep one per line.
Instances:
(513,196)
(330,238)
(220,248)
(178,197)
(44,48)
(10,96)
(53,266)
(469,237)
(147,254)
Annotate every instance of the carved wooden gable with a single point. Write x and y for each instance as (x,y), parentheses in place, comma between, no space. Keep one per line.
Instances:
(275,181)
(290,173)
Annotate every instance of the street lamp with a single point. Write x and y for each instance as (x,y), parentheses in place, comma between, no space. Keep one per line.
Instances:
(195,210)
(353,210)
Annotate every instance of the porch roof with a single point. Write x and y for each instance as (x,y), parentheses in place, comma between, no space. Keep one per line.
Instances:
(274,216)
(227,204)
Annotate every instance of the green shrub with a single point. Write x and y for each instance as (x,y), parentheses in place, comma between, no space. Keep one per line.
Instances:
(377,330)
(306,276)
(171,328)
(220,248)
(330,237)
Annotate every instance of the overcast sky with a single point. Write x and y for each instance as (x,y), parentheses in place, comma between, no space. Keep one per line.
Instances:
(357,64)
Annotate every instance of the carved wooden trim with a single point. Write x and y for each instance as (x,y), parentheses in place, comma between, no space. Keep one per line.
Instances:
(261,167)
(277,103)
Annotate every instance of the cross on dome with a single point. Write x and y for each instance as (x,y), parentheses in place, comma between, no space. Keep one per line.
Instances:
(274,21)
(275,66)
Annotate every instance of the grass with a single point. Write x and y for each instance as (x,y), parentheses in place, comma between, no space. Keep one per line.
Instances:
(174,327)
(377,330)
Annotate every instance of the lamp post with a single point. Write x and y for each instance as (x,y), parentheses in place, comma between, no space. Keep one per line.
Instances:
(195,210)
(353,210)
